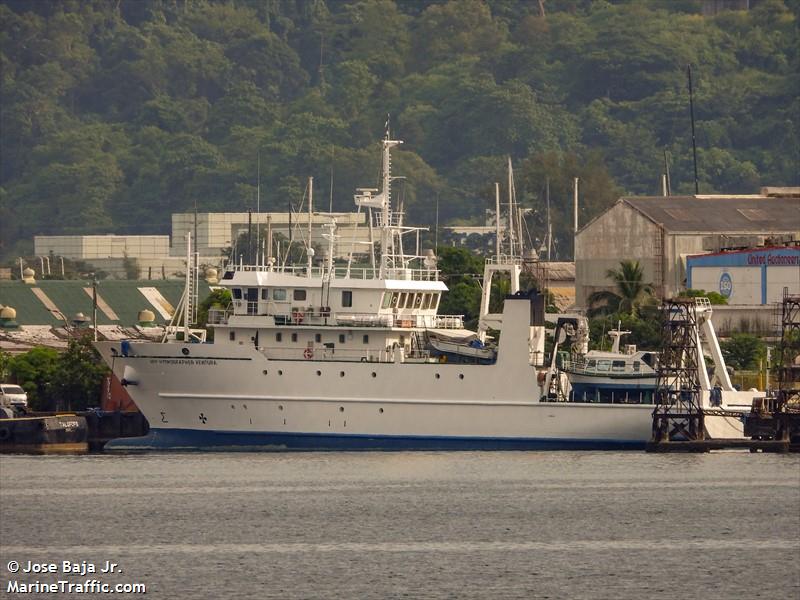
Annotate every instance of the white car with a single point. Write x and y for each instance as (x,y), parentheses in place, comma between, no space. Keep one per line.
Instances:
(13,396)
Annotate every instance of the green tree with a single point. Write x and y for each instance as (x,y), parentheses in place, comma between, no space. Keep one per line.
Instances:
(460,269)
(713,297)
(5,364)
(36,372)
(79,375)
(631,291)
(743,351)
(645,330)
(219,298)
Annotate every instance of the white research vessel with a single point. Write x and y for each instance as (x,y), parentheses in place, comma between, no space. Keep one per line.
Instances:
(332,357)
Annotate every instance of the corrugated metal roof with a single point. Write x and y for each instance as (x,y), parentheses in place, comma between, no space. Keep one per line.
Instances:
(558,271)
(720,214)
(69,297)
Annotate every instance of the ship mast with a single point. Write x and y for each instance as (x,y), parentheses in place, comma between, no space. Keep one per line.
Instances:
(383,202)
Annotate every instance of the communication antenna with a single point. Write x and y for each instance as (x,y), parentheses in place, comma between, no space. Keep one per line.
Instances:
(330,201)
(258,204)
(694,142)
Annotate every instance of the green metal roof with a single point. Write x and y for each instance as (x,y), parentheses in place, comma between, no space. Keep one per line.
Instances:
(123,297)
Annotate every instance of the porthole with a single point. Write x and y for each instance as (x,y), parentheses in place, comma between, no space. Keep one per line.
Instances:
(280,406)
(437,376)
(380,410)
(280,372)
(233,407)
(341,409)
(319,373)
(244,406)
(461,376)
(374,374)
(264,371)
(341,373)
(185,351)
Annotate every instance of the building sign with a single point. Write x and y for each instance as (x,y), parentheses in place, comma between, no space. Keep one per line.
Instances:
(725,285)
(777,259)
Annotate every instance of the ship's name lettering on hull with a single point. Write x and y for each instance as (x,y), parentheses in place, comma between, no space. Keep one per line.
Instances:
(183,361)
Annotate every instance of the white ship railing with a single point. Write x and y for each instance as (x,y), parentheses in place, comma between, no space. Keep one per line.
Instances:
(606,367)
(320,317)
(219,316)
(360,273)
(504,259)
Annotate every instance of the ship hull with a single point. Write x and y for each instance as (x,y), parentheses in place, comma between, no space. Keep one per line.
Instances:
(201,397)
(188,440)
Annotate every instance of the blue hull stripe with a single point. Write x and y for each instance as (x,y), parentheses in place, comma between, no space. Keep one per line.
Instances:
(193,439)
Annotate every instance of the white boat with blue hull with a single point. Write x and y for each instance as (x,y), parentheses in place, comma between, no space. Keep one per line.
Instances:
(616,377)
(334,356)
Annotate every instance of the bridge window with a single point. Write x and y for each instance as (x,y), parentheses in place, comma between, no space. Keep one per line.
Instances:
(366,339)
(341,338)
(347,298)
(237,293)
(402,302)
(279,294)
(395,298)
(387,300)
(265,293)
(418,300)
(299,294)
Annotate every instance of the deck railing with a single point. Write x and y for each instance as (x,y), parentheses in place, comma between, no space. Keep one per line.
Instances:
(318,316)
(361,273)
(582,367)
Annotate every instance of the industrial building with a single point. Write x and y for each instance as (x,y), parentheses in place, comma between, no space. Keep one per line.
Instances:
(661,232)
(747,277)
(163,256)
(47,313)
(215,232)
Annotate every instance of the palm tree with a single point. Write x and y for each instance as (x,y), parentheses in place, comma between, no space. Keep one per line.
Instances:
(631,291)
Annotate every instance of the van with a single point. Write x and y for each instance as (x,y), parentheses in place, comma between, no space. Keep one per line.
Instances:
(12,395)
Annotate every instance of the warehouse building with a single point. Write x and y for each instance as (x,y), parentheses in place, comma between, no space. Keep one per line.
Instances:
(50,312)
(163,256)
(661,232)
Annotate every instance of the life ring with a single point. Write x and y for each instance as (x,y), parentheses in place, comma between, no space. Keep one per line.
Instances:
(308,353)
(298,316)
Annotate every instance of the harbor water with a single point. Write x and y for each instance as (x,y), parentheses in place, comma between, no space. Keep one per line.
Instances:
(406,525)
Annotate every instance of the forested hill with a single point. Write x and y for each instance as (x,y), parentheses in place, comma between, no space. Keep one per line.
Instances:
(116,113)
